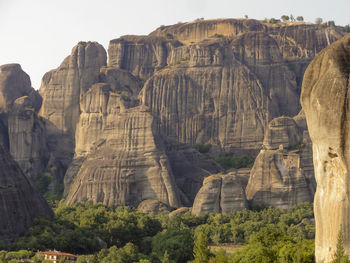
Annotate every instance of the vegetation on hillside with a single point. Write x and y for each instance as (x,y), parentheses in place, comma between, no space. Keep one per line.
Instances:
(103,234)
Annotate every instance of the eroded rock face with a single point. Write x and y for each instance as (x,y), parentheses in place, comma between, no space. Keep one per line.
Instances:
(282,131)
(124,161)
(220,193)
(221,81)
(62,90)
(325,101)
(277,180)
(22,130)
(20,203)
(27,137)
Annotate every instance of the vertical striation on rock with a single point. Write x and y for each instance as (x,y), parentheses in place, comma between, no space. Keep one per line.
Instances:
(62,90)
(277,180)
(20,203)
(220,193)
(22,130)
(325,101)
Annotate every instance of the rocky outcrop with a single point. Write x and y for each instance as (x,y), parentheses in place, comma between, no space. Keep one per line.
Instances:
(120,157)
(22,131)
(152,206)
(220,193)
(277,180)
(282,131)
(124,162)
(27,137)
(221,81)
(325,101)
(61,90)
(20,203)
(217,82)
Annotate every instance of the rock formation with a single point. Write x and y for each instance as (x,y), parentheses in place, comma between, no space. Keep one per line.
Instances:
(61,90)
(282,175)
(325,101)
(276,179)
(19,201)
(120,157)
(217,82)
(220,193)
(22,131)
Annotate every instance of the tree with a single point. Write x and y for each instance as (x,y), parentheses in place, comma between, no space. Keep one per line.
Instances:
(201,251)
(272,21)
(318,21)
(246,16)
(339,255)
(292,18)
(300,18)
(166,257)
(347,28)
(285,18)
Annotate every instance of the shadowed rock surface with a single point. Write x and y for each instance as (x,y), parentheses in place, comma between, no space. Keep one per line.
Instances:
(325,101)
(220,193)
(20,203)
(23,133)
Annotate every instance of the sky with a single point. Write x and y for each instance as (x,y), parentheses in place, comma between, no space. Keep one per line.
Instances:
(39,34)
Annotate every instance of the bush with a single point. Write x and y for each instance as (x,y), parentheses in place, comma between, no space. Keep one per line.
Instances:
(285,18)
(203,148)
(228,161)
(347,28)
(318,21)
(300,18)
(273,21)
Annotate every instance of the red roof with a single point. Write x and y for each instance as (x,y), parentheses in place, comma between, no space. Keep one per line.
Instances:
(58,253)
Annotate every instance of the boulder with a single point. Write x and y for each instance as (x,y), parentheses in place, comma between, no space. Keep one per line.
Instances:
(220,193)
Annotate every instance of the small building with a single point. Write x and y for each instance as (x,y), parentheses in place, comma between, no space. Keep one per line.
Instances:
(56,256)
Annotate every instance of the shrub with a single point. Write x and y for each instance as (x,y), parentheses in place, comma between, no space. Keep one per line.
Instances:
(285,18)
(318,21)
(203,148)
(300,18)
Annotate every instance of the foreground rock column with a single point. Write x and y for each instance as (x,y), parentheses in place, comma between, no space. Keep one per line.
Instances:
(326,103)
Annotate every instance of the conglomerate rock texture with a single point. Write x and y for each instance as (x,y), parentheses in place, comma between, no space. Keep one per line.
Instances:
(325,101)
(20,203)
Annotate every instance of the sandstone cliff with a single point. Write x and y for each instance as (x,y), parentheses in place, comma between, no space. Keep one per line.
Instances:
(220,193)
(325,101)
(282,175)
(221,81)
(19,201)
(120,157)
(61,90)
(22,132)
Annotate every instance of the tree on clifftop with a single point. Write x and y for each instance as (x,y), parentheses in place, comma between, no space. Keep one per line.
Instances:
(285,18)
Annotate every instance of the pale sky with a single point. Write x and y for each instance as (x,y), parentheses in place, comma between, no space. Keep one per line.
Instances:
(39,34)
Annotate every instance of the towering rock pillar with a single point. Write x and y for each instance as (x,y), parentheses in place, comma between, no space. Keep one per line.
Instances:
(326,103)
